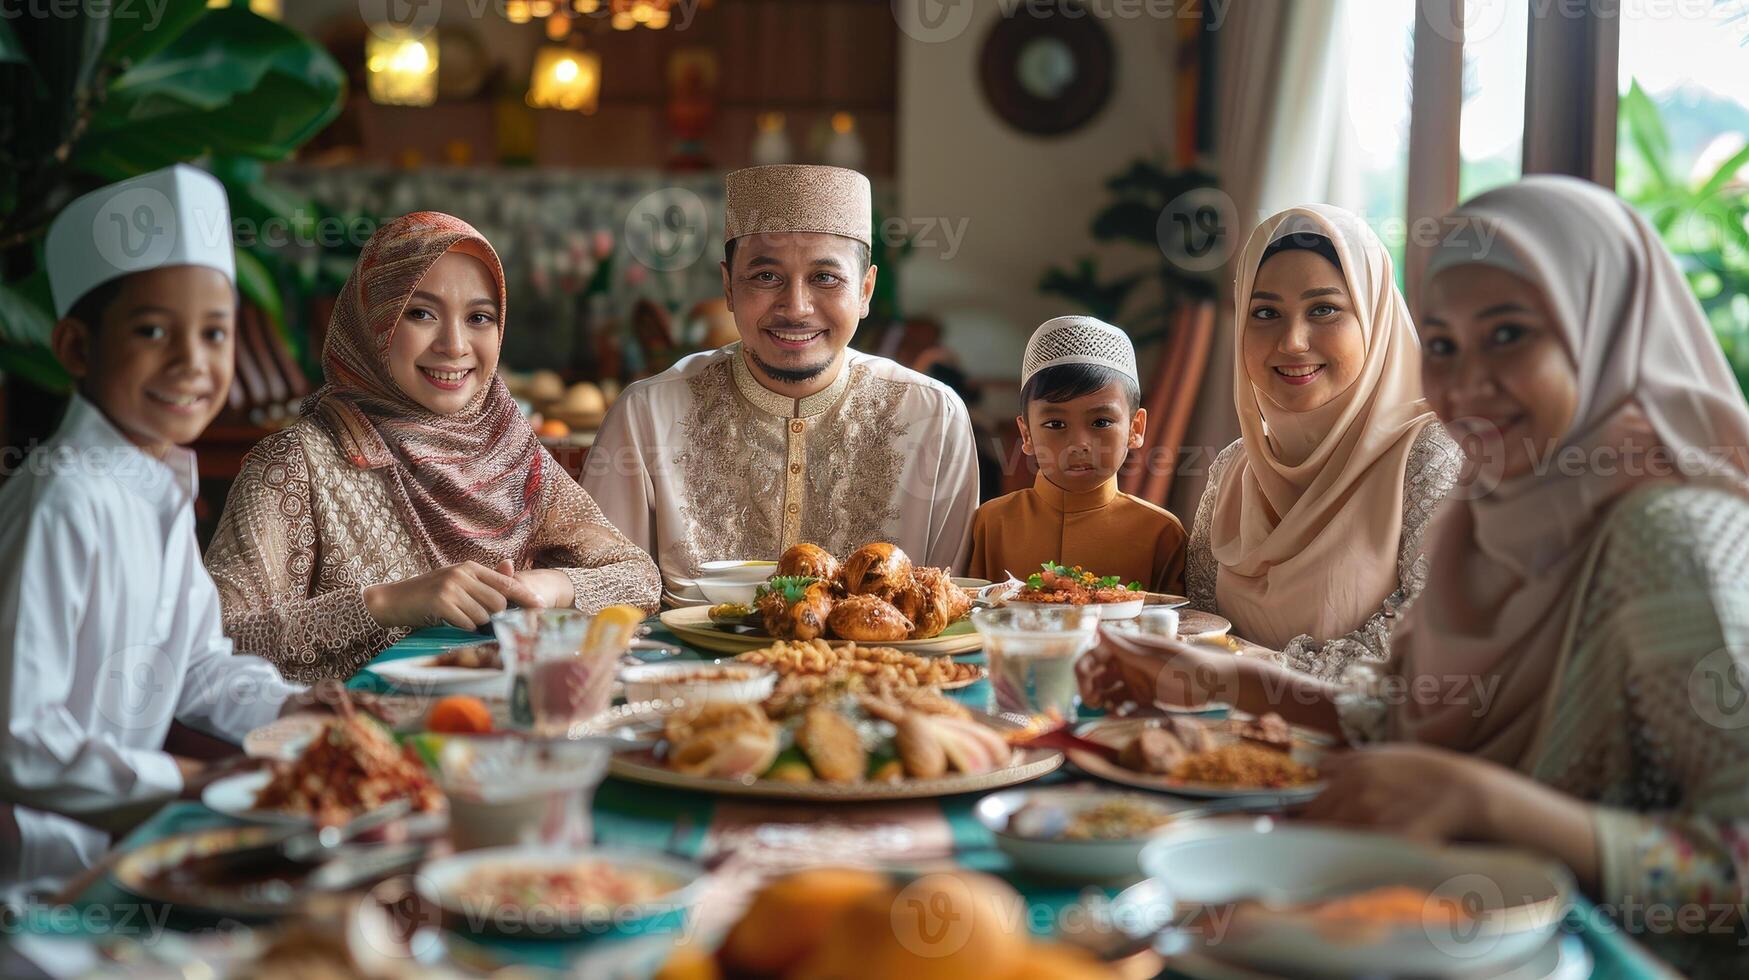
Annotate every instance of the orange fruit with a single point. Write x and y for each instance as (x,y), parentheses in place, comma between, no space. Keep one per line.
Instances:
(554,429)
(459,714)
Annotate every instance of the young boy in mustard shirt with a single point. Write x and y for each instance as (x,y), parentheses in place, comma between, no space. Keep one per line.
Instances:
(1080,415)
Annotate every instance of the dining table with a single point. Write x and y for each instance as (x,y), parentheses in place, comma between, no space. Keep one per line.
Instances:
(758,836)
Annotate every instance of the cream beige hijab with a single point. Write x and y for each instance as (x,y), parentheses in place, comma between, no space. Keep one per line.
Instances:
(1307,522)
(1510,564)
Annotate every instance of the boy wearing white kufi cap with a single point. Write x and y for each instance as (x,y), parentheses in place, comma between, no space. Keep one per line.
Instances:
(109,625)
(789,435)
(1080,416)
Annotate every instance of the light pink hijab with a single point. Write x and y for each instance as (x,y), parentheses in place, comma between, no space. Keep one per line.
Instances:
(1510,564)
(1306,525)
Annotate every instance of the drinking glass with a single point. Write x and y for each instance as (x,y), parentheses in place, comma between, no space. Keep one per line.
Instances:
(1032,653)
(556,682)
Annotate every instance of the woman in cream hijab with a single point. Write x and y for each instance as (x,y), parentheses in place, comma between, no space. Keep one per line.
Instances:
(1309,531)
(1573,679)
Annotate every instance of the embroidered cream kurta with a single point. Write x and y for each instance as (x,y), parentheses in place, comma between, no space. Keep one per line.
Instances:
(702,463)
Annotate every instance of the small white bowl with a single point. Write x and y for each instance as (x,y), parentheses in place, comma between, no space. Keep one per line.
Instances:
(698,682)
(738,570)
(1519,897)
(718,591)
(734,581)
(1079,860)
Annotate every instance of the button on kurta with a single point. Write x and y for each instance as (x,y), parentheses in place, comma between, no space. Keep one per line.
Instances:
(797,425)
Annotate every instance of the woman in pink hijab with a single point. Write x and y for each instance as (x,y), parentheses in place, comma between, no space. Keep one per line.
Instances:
(1574,677)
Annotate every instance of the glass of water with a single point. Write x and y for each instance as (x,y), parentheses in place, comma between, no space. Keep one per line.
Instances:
(554,683)
(1032,653)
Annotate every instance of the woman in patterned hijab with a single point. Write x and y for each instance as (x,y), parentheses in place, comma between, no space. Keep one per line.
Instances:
(411,492)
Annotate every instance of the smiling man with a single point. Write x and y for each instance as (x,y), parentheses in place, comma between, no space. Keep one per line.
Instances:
(788,435)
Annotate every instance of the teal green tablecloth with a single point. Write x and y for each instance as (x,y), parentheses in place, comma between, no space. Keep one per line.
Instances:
(633,815)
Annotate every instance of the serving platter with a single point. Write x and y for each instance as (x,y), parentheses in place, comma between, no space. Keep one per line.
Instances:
(644,766)
(1308,749)
(693,625)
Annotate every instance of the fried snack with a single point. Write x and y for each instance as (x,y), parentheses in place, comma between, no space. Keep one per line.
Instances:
(881,666)
(832,746)
(877,569)
(1154,751)
(728,741)
(1270,731)
(352,768)
(1191,734)
(919,749)
(867,619)
(792,614)
(892,705)
(931,601)
(809,560)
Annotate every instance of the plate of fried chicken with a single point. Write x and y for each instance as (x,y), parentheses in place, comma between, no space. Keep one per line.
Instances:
(875,595)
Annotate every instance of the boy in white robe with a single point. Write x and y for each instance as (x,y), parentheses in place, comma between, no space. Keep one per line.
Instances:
(109,625)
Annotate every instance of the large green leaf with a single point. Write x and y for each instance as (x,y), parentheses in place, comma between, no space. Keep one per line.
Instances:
(139,30)
(232,84)
(11,52)
(1646,130)
(25,328)
(1725,174)
(257,284)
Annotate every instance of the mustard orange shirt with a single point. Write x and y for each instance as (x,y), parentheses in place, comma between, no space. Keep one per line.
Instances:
(1102,530)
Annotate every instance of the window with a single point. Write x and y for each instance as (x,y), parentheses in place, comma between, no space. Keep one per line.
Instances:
(1491,138)
(1682,152)
(1381,39)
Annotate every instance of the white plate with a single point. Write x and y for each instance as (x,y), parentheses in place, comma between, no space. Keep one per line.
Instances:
(1308,749)
(423,675)
(1519,898)
(1107,610)
(441,882)
(234,796)
(1074,860)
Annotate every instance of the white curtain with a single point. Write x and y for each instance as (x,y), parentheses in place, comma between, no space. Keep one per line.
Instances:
(1281,135)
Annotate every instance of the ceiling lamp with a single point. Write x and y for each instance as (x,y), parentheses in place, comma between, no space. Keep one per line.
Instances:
(565,78)
(623,15)
(401,67)
(265,8)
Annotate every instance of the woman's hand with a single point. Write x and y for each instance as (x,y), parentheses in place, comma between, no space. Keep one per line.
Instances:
(552,585)
(1128,673)
(1418,791)
(464,596)
(1437,795)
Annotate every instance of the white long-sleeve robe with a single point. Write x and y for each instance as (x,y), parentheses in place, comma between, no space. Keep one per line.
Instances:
(702,463)
(109,630)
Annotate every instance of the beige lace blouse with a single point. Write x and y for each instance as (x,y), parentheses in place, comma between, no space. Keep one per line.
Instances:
(1650,723)
(304,533)
(1433,466)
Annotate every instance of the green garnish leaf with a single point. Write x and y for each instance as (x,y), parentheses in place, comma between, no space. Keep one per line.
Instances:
(790,586)
(1035,581)
(1135,586)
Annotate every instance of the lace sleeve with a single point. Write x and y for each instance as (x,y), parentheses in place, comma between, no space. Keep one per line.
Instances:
(1199,558)
(263,560)
(1665,638)
(1431,471)
(604,567)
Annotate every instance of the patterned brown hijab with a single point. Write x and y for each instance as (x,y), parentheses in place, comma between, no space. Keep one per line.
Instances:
(472,485)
